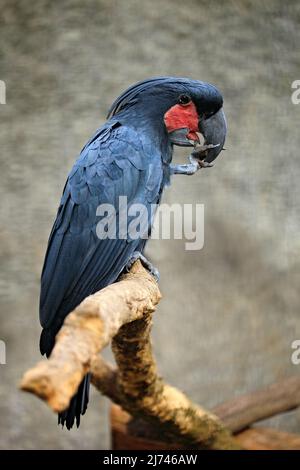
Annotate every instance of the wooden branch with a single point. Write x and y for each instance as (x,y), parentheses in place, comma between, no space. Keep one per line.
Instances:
(105,379)
(241,412)
(129,433)
(87,330)
(144,394)
(137,387)
(236,414)
(268,439)
(123,311)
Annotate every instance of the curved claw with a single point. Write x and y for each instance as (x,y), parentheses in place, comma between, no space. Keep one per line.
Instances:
(145,262)
(200,153)
(200,163)
(202,149)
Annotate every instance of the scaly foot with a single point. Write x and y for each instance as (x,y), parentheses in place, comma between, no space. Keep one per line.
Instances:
(145,262)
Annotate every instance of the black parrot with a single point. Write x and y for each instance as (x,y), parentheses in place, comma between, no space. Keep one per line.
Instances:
(130,155)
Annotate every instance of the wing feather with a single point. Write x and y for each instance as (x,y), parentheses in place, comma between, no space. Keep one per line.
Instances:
(77,262)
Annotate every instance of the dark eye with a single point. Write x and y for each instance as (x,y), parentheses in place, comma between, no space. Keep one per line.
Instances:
(184,99)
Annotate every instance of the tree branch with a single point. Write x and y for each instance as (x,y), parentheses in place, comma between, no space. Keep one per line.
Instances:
(134,434)
(241,412)
(123,311)
(237,414)
(144,394)
(86,331)
(268,439)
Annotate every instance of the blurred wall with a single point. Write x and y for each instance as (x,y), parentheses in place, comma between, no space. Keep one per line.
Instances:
(230,311)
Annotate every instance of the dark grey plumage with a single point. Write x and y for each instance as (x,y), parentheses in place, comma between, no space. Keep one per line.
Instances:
(128,156)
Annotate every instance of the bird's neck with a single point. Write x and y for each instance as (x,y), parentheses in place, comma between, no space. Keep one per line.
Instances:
(149,124)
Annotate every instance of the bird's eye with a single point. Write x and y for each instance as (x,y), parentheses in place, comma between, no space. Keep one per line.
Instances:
(184,100)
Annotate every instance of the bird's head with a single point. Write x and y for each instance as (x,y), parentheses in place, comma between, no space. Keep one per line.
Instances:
(188,111)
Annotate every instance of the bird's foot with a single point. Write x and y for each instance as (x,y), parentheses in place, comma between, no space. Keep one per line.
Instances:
(145,262)
(189,169)
(196,161)
(200,152)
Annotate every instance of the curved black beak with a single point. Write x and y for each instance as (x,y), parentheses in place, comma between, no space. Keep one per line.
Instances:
(214,130)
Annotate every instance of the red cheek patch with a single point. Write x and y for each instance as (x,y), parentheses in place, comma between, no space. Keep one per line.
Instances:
(180,116)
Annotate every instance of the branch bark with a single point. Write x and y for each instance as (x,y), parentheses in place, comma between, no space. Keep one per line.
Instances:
(237,414)
(241,412)
(136,386)
(86,331)
(129,433)
(144,394)
(123,311)
(268,439)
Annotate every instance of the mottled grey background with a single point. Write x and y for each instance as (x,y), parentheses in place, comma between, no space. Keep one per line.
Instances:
(230,311)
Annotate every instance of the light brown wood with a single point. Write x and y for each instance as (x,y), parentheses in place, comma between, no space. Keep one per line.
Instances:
(236,414)
(86,331)
(241,412)
(146,395)
(122,312)
(128,433)
(268,439)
